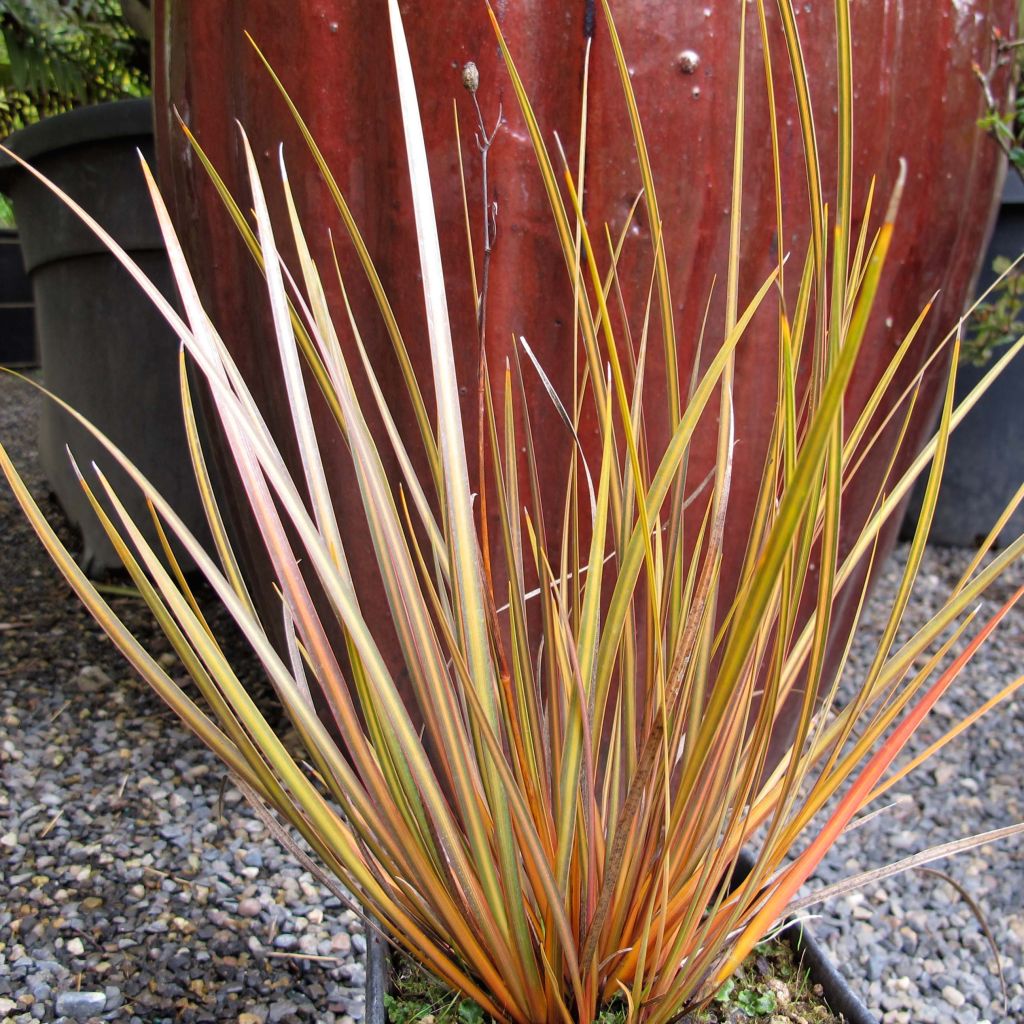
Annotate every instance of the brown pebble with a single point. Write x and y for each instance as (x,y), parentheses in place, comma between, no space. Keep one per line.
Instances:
(249,908)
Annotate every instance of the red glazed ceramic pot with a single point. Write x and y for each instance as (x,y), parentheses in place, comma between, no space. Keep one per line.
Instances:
(915,97)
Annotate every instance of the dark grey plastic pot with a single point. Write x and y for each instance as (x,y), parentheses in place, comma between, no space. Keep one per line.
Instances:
(985,463)
(17,324)
(103,347)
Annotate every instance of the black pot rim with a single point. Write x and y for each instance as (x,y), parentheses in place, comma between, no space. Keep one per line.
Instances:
(121,119)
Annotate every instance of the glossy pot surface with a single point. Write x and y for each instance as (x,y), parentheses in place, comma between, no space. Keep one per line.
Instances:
(916,98)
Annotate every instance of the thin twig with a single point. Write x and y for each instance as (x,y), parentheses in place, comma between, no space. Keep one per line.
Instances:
(284,837)
(53,718)
(484,141)
(915,860)
(857,823)
(972,903)
(1004,51)
(304,956)
(166,874)
(53,821)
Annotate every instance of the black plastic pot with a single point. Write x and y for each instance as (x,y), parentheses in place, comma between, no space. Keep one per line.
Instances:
(841,999)
(838,994)
(985,463)
(17,323)
(103,347)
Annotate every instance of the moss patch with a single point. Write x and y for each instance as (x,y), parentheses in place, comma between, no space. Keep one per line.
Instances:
(770,988)
(419,998)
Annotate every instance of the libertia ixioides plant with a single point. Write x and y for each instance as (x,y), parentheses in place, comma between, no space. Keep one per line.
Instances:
(548,823)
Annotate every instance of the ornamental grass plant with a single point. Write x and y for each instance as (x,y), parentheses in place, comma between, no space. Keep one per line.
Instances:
(549,818)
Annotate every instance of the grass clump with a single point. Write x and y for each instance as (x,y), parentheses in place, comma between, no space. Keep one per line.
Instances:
(770,987)
(538,769)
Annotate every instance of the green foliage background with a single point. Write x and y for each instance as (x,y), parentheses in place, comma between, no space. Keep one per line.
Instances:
(999,321)
(60,54)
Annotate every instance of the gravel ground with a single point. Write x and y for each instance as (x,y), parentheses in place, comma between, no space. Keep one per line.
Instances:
(137,889)
(915,937)
(134,887)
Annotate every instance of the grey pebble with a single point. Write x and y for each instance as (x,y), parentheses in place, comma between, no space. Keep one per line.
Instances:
(39,990)
(281,1010)
(81,1005)
(354,1008)
(356,975)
